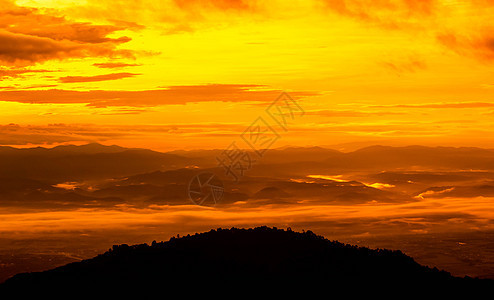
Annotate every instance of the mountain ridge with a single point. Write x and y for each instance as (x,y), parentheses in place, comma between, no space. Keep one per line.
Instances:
(241,256)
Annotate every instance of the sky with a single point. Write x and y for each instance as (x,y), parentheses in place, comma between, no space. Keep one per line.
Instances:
(188,74)
(201,74)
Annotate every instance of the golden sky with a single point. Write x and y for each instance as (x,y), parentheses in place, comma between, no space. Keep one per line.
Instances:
(195,73)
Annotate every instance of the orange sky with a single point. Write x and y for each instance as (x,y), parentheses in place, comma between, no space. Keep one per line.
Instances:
(195,73)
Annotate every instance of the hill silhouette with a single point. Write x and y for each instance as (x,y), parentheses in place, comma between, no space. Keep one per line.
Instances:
(241,257)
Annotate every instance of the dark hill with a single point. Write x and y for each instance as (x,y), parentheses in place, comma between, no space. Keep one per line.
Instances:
(241,257)
(87,162)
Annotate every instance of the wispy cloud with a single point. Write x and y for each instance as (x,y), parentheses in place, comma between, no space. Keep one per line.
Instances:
(349,113)
(439,105)
(104,77)
(468,34)
(15,134)
(114,65)
(18,72)
(392,14)
(163,96)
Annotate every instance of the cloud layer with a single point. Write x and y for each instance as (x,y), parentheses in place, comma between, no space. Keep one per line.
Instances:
(30,35)
(163,96)
(462,26)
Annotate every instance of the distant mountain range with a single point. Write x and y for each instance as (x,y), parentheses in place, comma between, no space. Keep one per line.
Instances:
(95,175)
(93,161)
(80,160)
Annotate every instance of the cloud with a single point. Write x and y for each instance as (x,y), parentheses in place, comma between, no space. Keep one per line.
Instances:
(349,113)
(30,35)
(216,4)
(462,26)
(408,65)
(479,44)
(19,47)
(440,105)
(172,16)
(391,14)
(104,77)
(114,65)
(18,72)
(15,134)
(128,25)
(162,96)
(47,23)
(28,87)
(126,112)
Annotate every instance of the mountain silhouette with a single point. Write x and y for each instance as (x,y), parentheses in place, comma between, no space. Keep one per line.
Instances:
(241,257)
(271,193)
(95,161)
(92,161)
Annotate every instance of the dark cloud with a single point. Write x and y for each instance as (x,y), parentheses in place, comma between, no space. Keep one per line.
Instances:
(29,35)
(46,23)
(16,48)
(479,44)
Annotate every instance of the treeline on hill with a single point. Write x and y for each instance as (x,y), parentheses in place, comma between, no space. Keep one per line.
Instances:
(261,254)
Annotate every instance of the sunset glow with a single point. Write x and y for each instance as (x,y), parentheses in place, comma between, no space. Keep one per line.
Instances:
(368,122)
(150,74)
